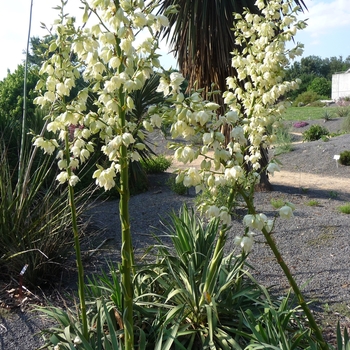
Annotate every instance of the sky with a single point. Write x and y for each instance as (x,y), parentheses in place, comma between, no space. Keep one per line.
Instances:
(326,35)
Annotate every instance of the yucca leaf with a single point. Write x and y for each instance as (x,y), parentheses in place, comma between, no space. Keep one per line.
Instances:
(112,334)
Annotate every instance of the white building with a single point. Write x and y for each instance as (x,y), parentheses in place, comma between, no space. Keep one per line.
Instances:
(341,85)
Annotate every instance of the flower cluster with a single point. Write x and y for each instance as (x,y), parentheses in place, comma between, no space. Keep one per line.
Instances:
(260,60)
(252,104)
(105,58)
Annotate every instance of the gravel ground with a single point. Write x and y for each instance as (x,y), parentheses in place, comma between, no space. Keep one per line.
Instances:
(315,243)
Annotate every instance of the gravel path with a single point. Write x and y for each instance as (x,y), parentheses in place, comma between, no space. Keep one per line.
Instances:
(315,243)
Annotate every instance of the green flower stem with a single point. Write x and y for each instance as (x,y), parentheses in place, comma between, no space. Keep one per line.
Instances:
(24,117)
(217,256)
(289,276)
(81,283)
(126,250)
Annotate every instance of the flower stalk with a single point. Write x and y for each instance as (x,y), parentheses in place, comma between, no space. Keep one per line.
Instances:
(126,250)
(81,283)
(217,256)
(288,274)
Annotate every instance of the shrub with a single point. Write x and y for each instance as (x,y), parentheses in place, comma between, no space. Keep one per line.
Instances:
(177,187)
(306,98)
(321,86)
(156,165)
(315,132)
(317,103)
(344,158)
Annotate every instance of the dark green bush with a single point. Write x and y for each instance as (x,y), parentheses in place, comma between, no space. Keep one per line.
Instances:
(315,132)
(344,158)
(317,103)
(177,187)
(321,86)
(156,165)
(306,98)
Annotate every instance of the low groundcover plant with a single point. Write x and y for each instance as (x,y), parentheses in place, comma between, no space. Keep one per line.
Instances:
(300,124)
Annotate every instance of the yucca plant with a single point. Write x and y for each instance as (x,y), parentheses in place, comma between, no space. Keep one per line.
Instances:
(35,225)
(190,321)
(343,341)
(168,311)
(102,335)
(35,228)
(278,326)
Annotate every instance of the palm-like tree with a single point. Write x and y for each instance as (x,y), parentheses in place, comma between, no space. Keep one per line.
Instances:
(202,40)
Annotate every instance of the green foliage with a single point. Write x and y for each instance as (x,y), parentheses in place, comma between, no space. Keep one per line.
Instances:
(313,67)
(313,203)
(306,79)
(171,311)
(345,208)
(278,327)
(343,112)
(103,333)
(343,341)
(318,103)
(315,132)
(277,202)
(315,74)
(344,158)
(284,140)
(220,321)
(11,96)
(35,226)
(327,115)
(207,197)
(346,124)
(321,86)
(156,165)
(333,194)
(306,113)
(306,98)
(177,187)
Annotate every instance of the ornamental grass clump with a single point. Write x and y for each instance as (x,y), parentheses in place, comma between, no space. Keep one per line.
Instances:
(346,124)
(283,141)
(342,112)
